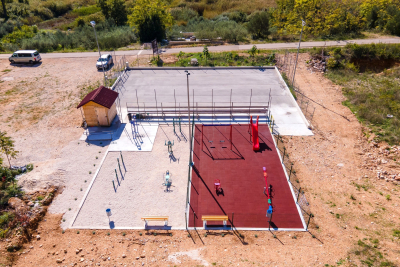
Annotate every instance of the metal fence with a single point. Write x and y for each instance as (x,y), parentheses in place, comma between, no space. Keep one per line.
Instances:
(287,164)
(286,64)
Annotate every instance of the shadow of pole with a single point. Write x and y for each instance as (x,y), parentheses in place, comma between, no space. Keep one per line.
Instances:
(235,231)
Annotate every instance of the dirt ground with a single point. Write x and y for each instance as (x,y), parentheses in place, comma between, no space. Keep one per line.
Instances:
(348,179)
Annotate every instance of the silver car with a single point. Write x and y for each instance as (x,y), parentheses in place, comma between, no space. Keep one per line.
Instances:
(104,61)
(25,56)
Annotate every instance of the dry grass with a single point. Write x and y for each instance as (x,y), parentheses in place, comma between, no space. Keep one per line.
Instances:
(212,8)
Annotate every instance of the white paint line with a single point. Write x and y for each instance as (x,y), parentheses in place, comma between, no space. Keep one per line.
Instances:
(90,187)
(140,52)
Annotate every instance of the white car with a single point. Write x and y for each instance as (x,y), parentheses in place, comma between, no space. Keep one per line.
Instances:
(104,61)
(25,56)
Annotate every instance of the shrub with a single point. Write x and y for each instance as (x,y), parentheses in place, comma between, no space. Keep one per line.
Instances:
(184,13)
(258,24)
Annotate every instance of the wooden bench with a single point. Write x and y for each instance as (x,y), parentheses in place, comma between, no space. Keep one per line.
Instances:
(214,218)
(146,219)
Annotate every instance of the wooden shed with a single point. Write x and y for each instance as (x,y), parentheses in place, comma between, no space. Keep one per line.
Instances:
(99,107)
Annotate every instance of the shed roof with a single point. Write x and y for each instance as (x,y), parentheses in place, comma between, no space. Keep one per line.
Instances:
(102,96)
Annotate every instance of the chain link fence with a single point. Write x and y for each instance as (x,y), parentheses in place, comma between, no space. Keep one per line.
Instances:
(287,164)
(286,66)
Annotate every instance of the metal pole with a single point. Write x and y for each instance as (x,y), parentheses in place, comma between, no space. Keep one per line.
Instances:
(98,47)
(298,49)
(190,137)
(155,97)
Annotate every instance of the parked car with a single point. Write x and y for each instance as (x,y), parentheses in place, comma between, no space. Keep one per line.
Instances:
(104,61)
(25,56)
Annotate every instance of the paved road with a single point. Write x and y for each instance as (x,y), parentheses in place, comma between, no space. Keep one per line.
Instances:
(394,40)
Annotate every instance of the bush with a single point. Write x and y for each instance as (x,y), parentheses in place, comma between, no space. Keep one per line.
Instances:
(85,11)
(184,13)
(58,8)
(258,24)
(109,37)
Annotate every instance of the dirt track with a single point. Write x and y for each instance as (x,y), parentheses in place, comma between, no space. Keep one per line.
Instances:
(331,168)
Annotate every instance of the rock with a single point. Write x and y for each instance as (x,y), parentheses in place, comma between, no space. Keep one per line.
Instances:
(31,204)
(123,256)
(65,251)
(59,261)
(38,238)
(137,258)
(82,259)
(142,256)
(17,204)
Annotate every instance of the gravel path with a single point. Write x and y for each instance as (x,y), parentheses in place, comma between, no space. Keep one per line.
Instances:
(141,191)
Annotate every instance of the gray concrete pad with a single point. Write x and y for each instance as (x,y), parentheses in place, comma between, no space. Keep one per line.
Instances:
(208,85)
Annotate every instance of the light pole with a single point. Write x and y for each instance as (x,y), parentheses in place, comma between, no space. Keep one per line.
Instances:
(93,23)
(190,138)
(303,23)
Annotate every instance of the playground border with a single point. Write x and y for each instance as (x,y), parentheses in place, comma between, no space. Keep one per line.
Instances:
(88,190)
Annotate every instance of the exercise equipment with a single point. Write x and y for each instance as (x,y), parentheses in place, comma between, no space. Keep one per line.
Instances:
(169,144)
(267,188)
(254,134)
(217,186)
(214,129)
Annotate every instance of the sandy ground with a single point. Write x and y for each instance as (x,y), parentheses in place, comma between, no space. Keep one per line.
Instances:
(141,191)
(38,109)
(335,168)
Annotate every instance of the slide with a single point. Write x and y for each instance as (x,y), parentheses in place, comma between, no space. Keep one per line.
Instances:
(254,131)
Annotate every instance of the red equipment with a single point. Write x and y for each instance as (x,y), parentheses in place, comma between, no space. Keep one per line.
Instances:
(217,186)
(254,132)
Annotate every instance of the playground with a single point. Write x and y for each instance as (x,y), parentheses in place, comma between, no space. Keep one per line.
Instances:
(244,196)
(234,177)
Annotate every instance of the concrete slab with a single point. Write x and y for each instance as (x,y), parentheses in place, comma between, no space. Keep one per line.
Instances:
(163,87)
(129,140)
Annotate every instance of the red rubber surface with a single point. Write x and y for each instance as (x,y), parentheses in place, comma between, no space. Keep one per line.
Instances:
(242,180)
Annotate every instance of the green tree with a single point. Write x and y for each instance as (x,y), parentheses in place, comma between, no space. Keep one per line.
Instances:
(206,53)
(7,147)
(3,4)
(114,9)
(258,24)
(149,14)
(152,28)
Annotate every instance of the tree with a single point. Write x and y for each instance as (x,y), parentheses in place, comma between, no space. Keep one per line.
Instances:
(7,147)
(206,53)
(152,28)
(150,15)
(3,3)
(258,24)
(114,9)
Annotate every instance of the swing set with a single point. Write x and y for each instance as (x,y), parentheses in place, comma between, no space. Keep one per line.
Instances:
(220,133)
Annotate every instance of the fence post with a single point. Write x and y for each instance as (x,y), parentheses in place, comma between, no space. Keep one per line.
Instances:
(284,152)
(290,173)
(277,142)
(309,219)
(298,195)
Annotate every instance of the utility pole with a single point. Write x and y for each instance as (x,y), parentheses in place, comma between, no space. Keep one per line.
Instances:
(303,23)
(93,23)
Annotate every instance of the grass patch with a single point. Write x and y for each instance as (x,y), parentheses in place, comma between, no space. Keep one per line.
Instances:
(261,58)
(374,99)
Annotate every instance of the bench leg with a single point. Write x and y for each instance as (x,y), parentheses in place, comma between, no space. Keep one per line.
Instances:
(145,224)
(165,223)
(224,223)
(204,224)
